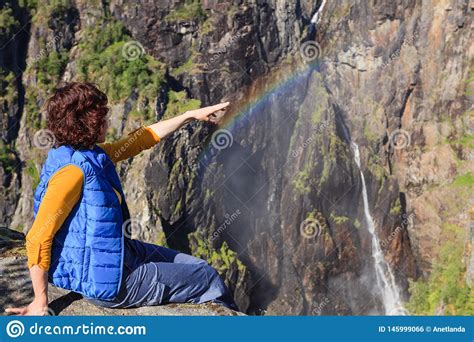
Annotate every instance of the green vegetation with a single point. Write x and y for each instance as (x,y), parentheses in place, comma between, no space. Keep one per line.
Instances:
(207,27)
(42,11)
(185,68)
(396,207)
(58,8)
(446,287)
(466,180)
(7,89)
(321,94)
(221,259)
(341,11)
(7,158)
(466,141)
(32,4)
(337,151)
(117,68)
(42,4)
(49,68)
(470,79)
(301,181)
(178,208)
(32,171)
(327,161)
(207,194)
(8,23)
(369,134)
(178,103)
(339,219)
(161,239)
(190,10)
(316,117)
(49,65)
(32,108)
(357,223)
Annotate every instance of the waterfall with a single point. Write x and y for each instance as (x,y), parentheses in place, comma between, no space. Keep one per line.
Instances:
(314,21)
(316,16)
(384,275)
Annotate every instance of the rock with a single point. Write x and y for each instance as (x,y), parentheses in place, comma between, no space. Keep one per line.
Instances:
(16,289)
(11,241)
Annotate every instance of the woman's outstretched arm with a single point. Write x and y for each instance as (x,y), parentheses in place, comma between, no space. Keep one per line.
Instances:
(144,138)
(167,127)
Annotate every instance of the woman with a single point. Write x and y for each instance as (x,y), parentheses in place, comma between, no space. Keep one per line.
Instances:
(77,238)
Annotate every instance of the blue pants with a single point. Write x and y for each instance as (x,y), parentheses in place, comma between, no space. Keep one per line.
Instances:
(155,275)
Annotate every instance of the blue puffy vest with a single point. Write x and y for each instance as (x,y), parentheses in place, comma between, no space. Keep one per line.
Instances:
(88,250)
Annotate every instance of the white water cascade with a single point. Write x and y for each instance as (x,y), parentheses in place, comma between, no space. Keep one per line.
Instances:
(317,16)
(384,275)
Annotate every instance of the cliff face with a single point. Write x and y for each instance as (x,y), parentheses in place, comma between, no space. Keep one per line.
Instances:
(274,197)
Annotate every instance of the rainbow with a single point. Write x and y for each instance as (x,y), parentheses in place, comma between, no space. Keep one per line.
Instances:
(274,85)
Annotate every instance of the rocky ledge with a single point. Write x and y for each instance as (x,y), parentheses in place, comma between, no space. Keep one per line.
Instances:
(16,289)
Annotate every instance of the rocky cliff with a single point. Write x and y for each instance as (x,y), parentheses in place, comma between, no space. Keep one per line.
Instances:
(273,198)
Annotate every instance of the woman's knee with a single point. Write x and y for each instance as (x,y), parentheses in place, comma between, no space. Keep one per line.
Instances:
(189,259)
(213,277)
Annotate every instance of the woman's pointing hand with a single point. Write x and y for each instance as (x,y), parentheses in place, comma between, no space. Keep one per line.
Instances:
(211,114)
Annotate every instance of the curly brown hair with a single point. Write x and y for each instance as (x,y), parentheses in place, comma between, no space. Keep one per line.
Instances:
(76,114)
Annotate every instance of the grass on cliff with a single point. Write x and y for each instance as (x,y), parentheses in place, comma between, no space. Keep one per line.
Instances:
(178,103)
(8,23)
(446,289)
(119,65)
(33,172)
(190,10)
(48,66)
(221,259)
(465,180)
(7,158)
(102,60)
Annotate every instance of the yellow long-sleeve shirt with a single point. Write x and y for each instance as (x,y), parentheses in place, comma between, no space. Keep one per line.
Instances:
(64,190)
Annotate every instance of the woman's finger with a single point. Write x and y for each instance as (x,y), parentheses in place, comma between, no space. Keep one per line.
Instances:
(15,310)
(204,113)
(216,108)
